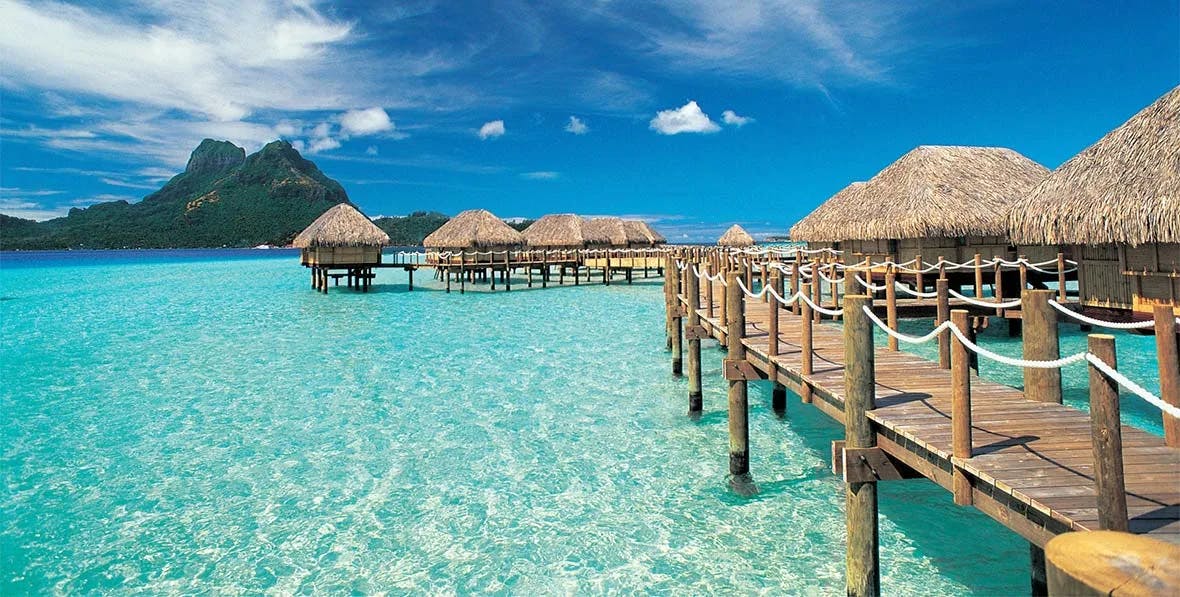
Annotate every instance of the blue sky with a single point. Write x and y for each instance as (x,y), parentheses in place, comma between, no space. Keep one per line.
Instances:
(691,113)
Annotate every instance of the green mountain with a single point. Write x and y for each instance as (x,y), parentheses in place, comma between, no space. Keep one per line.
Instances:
(412,229)
(223,198)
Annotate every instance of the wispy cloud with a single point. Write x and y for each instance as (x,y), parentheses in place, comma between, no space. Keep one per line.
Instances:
(22,207)
(540,175)
(491,130)
(731,117)
(576,126)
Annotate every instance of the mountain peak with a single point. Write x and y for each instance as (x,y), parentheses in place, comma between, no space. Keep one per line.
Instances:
(215,156)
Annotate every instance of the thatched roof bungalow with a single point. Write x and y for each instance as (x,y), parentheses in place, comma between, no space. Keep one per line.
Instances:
(563,231)
(639,228)
(475,230)
(736,236)
(616,233)
(951,201)
(341,236)
(1117,204)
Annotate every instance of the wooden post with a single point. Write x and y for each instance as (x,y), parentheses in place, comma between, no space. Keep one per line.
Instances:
(544,268)
(1061,295)
(795,280)
(998,285)
(725,298)
(410,271)
(817,285)
(765,279)
(677,320)
(960,409)
(1039,321)
(1107,436)
(462,274)
(919,282)
(1023,274)
(1104,563)
(805,343)
(1038,578)
(669,293)
(978,276)
(739,416)
(772,325)
(507,270)
(891,304)
(778,392)
(944,314)
(709,289)
(863,577)
(606,270)
(693,294)
(1169,366)
(941,268)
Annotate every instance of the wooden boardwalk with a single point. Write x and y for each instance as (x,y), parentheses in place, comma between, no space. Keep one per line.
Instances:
(1032,465)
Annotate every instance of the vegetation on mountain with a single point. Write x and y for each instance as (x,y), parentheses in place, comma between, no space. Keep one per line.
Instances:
(410,230)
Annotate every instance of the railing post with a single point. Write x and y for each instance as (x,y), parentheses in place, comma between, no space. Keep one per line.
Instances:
(891,304)
(943,314)
(739,415)
(544,268)
(1040,344)
(817,293)
(724,315)
(863,577)
(677,321)
(1107,437)
(772,325)
(462,272)
(998,285)
(695,400)
(1169,365)
(709,289)
(1023,274)
(1061,294)
(795,280)
(919,281)
(960,409)
(507,270)
(978,276)
(805,343)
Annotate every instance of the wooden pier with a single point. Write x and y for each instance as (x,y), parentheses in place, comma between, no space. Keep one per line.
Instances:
(1032,464)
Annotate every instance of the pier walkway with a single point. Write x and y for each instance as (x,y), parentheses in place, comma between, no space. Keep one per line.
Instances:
(1032,463)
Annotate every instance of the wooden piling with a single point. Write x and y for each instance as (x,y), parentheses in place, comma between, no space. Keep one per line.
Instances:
(693,294)
(1107,437)
(507,270)
(998,285)
(960,409)
(1039,322)
(739,417)
(919,282)
(891,305)
(863,576)
(709,289)
(1023,274)
(778,392)
(669,292)
(805,343)
(1104,563)
(677,321)
(943,314)
(795,306)
(1169,366)
(817,285)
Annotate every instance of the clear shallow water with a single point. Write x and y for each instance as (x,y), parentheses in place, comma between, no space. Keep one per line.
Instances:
(203,421)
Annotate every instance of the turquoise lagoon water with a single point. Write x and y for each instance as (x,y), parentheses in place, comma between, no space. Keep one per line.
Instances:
(205,422)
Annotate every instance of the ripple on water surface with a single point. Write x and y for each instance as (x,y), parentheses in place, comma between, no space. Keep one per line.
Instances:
(180,425)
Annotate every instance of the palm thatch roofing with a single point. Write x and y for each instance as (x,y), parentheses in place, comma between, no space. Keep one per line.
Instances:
(933,191)
(1125,188)
(341,226)
(563,230)
(641,228)
(820,224)
(736,236)
(473,229)
(616,231)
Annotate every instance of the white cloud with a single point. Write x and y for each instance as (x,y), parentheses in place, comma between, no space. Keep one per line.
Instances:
(322,144)
(21,207)
(686,119)
(731,117)
(366,122)
(491,130)
(576,126)
(371,150)
(540,175)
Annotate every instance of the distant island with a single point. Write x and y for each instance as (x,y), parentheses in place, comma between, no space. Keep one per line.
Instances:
(224,198)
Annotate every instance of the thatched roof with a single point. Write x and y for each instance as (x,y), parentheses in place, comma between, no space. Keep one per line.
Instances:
(562,230)
(341,226)
(736,236)
(1123,189)
(473,229)
(821,224)
(932,192)
(616,231)
(640,228)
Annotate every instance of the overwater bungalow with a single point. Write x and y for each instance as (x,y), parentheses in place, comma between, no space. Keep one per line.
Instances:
(1117,205)
(341,238)
(948,201)
(616,233)
(736,236)
(474,231)
(637,228)
(564,232)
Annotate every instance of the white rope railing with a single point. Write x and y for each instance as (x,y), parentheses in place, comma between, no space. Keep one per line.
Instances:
(981,303)
(1138,325)
(912,292)
(867,285)
(1087,356)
